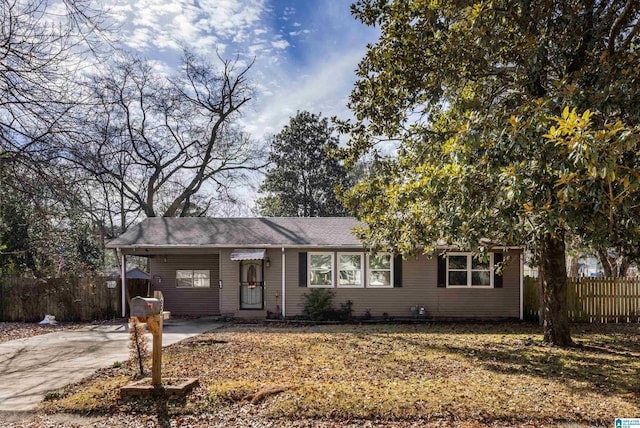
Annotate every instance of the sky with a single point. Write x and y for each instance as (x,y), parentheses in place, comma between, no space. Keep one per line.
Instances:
(305,51)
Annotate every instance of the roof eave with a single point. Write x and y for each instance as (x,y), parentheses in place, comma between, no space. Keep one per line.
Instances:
(225,246)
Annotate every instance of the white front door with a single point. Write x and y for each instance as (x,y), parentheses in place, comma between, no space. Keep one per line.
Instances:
(251,284)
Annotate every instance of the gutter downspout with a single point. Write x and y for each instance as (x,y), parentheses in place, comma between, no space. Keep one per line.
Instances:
(521,286)
(123,278)
(284,312)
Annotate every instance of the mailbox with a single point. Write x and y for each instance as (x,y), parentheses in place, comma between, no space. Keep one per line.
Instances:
(145,306)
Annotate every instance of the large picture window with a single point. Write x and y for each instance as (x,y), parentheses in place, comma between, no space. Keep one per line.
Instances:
(321,270)
(350,270)
(193,279)
(463,270)
(380,270)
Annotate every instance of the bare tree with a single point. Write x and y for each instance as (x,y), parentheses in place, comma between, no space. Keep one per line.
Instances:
(162,144)
(43,48)
(46,50)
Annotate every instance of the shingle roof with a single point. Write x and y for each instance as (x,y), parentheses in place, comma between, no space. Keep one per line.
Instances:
(201,232)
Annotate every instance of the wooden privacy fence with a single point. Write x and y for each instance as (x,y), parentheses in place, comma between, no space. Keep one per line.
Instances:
(603,300)
(592,300)
(68,299)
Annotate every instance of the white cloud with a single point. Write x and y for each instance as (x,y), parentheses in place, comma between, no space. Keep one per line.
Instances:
(280,44)
(254,50)
(161,67)
(288,12)
(297,33)
(324,91)
(139,39)
(170,24)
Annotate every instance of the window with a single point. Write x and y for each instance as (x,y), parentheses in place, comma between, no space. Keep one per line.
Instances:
(380,270)
(350,270)
(463,270)
(193,279)
(321,270)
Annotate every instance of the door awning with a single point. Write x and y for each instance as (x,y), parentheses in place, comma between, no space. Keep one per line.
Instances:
(248,254)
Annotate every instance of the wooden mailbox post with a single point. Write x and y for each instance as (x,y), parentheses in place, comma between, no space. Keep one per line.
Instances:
(150,311)
(155,325)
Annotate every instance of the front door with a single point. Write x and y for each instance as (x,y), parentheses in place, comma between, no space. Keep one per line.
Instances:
(251,284)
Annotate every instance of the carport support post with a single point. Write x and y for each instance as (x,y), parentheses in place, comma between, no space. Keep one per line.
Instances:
(155,325)
(123,278)
(284,289)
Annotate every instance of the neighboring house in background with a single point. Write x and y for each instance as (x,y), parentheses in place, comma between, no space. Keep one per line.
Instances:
(259,267)
(590,267)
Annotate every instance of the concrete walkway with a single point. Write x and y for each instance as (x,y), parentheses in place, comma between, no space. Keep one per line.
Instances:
(29,368)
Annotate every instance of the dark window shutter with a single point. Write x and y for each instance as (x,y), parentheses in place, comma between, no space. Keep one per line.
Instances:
(397,271)
(497,279)
(302,269)
(442,271)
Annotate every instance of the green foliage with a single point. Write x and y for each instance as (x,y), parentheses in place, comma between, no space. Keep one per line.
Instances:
(345,313)
(303,176)
(35,224)
(15,237)
(52,395)
(476,93)
(472,112)
(318,305)
(603,177)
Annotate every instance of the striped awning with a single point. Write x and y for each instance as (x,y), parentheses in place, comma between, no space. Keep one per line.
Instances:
(248,254)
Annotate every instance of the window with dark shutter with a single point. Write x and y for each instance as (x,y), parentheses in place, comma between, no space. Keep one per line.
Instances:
(442,271)
(302,269)
(497,279)
(397,271)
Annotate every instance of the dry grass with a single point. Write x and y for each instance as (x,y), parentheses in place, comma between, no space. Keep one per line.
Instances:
(485,374)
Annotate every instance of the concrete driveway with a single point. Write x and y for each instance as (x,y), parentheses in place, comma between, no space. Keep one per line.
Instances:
(31,367)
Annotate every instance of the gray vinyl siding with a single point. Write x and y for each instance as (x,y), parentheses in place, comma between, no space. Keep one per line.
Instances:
(187,301)
(419,287)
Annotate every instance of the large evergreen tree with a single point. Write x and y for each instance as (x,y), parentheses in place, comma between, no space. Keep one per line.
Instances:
(517,122)
(303,176)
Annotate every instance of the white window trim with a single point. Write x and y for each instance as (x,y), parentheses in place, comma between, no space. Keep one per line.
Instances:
(369,285)
(193,280)
(333,269)
(470,270)
(362,270)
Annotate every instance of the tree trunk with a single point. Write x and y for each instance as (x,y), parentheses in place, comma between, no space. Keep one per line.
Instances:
(610,270)
(574,267)
(553,281)
(625,263)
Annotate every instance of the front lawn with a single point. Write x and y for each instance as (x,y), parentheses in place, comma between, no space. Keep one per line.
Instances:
(475,373)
